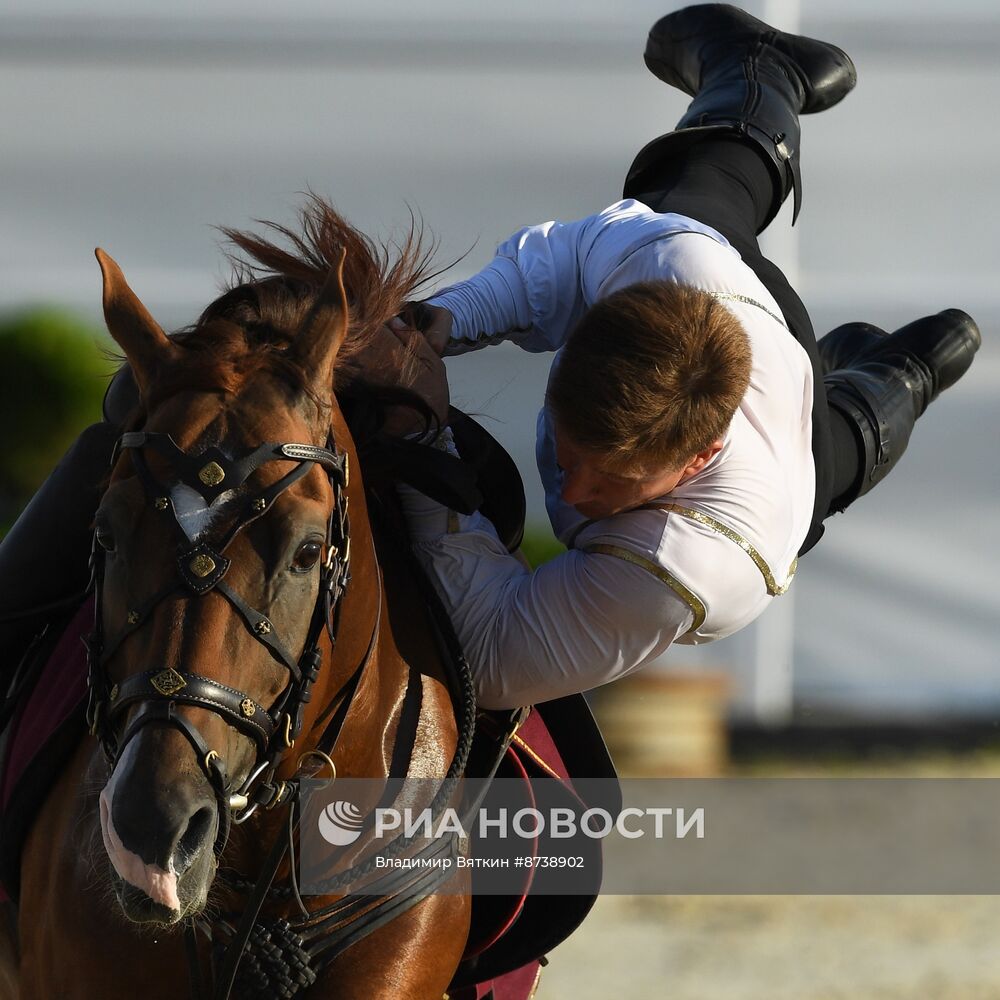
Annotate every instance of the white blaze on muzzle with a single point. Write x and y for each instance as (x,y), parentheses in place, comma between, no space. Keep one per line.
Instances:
(159,885)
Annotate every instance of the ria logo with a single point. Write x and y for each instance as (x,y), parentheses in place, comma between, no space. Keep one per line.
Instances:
(340,823)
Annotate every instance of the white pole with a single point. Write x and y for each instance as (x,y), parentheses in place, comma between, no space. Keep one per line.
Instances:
(769,642)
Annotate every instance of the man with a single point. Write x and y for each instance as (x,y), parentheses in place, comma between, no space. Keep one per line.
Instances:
(694,436)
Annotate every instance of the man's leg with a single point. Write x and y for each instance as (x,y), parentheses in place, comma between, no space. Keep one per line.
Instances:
(882,384)
(746,80)
(730,163)
(44,558)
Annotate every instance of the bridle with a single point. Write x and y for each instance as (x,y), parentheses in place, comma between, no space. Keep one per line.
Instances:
(201,569)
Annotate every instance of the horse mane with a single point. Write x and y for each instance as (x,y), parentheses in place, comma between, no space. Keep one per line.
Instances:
(276,281)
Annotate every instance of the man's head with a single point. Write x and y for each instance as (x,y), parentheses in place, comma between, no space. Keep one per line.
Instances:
(644,391)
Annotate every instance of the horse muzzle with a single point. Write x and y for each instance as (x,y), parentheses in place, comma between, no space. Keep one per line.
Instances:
(159,822)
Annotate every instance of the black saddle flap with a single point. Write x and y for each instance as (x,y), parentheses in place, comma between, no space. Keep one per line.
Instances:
(496,474)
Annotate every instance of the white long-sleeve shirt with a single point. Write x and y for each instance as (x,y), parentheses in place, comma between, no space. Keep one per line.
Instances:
(723,544)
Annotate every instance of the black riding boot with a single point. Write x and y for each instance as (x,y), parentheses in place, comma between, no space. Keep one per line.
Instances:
(747,79)
(846,345)
(888,380)
(44,558)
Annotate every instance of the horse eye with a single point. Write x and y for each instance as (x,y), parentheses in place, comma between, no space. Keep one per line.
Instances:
(307,556)
(105,539)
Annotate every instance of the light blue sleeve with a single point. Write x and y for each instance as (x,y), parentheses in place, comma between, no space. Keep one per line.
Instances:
(531,293)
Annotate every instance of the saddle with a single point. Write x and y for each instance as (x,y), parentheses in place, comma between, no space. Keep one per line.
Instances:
(484,479)
(556,747)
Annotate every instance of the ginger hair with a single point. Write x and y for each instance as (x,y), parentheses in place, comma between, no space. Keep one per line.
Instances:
(651,376)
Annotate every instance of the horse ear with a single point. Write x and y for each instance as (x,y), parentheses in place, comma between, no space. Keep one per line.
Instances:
(142,339)
(316,345)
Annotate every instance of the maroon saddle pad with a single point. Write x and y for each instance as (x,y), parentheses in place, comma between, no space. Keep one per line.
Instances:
(45,728)
(560,752)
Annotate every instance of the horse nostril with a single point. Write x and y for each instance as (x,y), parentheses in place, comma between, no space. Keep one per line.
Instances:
(199,829)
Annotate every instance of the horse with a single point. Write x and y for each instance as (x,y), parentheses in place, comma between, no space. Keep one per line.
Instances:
(230,655)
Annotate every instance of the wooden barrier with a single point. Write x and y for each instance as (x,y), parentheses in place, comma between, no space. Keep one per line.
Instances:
(666,724)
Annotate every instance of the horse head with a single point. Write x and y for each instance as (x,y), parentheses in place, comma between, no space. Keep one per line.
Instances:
(221,549)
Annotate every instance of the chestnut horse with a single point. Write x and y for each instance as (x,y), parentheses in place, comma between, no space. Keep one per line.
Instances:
(228,645)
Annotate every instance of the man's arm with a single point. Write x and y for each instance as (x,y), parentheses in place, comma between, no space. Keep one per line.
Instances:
(543,278)
(577,622)
(530,293)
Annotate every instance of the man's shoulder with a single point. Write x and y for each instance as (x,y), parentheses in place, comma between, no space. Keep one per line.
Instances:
(697,556)
(628,243)
(697,541)
(660,534)
(629,214)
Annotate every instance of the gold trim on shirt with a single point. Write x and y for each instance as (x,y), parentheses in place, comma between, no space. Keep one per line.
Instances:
(736,297)
(773,587)
(687,596)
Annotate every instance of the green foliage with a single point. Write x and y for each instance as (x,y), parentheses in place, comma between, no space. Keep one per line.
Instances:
(539,546)
(53,375)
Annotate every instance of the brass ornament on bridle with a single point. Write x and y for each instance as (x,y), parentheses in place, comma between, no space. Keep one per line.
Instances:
(202,565)
(168,682)
(212,474)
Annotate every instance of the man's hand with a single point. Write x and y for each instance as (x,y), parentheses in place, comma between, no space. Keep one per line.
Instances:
(398,355)
(436,326)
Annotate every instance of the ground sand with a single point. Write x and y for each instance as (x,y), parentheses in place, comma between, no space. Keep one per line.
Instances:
(778,947)
(789,947)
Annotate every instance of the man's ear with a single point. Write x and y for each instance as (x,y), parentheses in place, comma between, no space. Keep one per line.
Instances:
(701,460)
